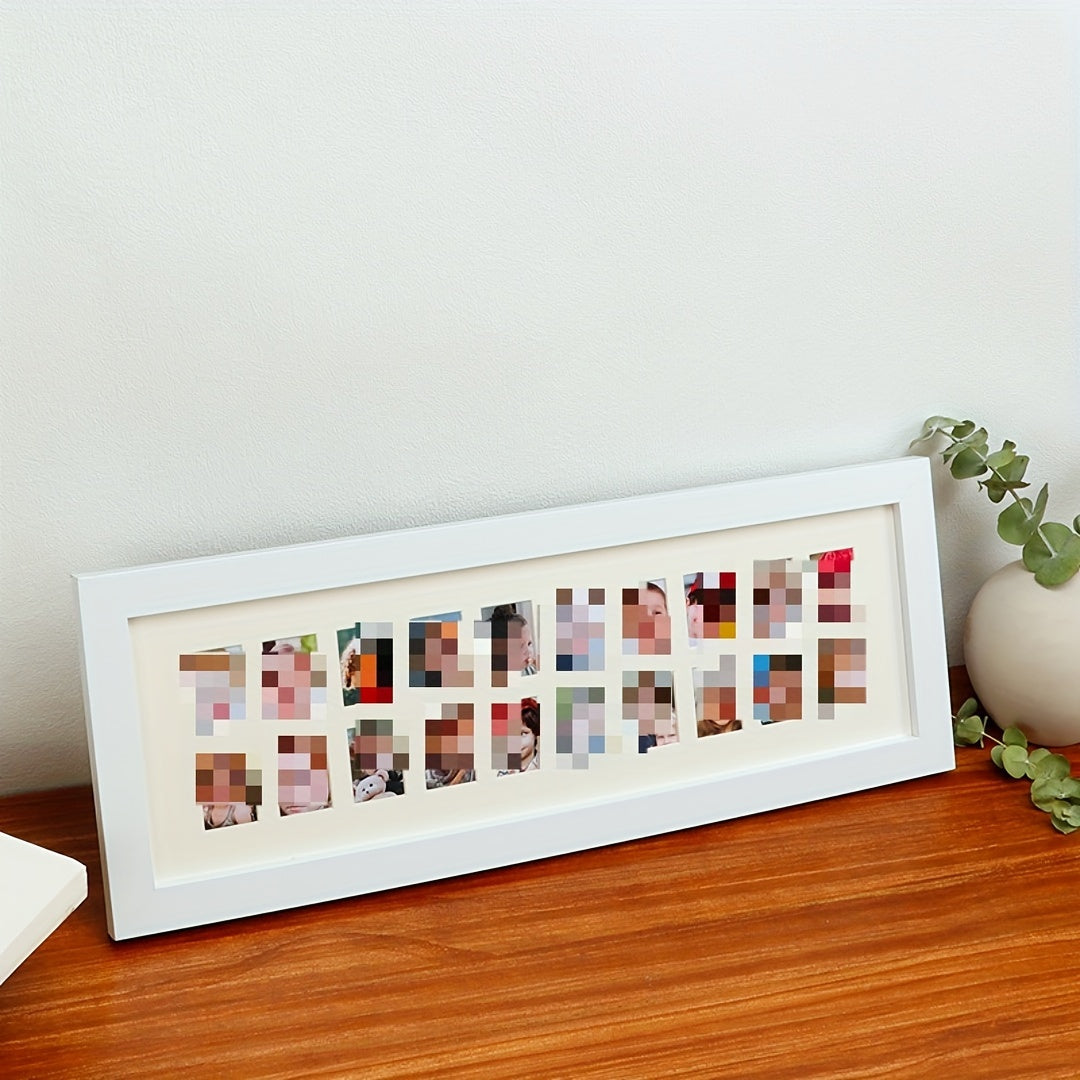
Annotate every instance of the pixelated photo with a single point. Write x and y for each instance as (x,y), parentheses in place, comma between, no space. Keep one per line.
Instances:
(841,674)
(579,725)
(449,748)
(778,598)
(777,687)
(293,679)
(434,652)
(834,587)
(217,679)
(714,698)
(579,629)
(366,650)
(508,633)
(303,774)
(648,708)
(515,736)
(228,787)
(710,606)
(377,759)
(646,622)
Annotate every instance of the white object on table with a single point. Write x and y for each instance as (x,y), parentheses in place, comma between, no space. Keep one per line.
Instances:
(38,891)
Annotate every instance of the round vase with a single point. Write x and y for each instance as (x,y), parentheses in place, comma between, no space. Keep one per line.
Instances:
(1022,651)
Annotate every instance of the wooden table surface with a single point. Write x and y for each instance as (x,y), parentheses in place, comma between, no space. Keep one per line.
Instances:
(928,929)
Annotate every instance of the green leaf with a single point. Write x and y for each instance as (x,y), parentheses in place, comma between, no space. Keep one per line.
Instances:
(1053,554)
(969,708)
(996,753)
(1013,736)
(1056,808)
(1046,792)
(1063,826)
(967,463)
(1000,458)
(1051,767)
(1063,565)
(1040,501)
(1014,761)
(969,731)
(965,436)
(1076,524)
(1013,473)
(931,427)
(1035,553)
(1010,477)
(1017,523)
(1034,758)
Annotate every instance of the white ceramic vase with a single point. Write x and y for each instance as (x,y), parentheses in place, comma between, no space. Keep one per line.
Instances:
(1022,650)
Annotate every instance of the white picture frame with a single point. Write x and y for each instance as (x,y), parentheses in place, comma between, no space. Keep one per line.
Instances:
(166,867)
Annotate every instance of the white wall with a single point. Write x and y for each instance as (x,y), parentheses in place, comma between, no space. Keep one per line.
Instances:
(276,272)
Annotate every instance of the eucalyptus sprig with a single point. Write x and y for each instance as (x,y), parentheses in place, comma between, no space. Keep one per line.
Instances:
(1051,551)
(1053,788)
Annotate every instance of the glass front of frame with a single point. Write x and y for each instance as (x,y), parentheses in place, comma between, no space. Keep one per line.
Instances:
(355,718)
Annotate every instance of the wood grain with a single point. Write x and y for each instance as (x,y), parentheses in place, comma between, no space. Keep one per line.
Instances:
(924,929)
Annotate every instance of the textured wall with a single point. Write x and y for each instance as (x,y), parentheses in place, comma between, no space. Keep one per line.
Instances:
(281,272)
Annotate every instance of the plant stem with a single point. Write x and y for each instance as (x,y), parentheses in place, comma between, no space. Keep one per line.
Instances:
(1016,498)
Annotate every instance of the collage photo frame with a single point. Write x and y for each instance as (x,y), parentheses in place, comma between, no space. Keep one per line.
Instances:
(283,727)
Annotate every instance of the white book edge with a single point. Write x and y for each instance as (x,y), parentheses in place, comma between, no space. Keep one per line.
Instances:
(40,890)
